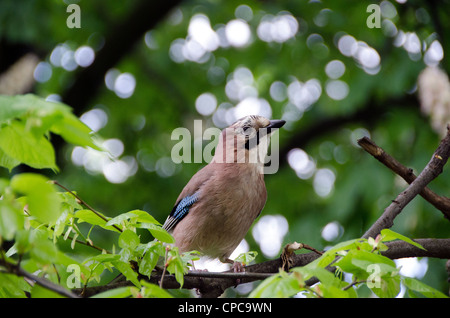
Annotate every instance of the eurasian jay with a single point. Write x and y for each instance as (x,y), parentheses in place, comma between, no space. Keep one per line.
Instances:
(216,208)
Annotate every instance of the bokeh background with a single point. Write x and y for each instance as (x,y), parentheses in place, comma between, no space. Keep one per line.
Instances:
(136,70)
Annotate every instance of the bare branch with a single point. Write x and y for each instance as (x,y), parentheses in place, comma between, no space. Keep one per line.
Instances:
(439,202)
(431,171)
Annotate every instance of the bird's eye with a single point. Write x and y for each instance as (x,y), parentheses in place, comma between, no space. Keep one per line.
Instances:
(246,128)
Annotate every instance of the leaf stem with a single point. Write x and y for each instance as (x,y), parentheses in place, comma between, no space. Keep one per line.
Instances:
(85,204)
(165,268)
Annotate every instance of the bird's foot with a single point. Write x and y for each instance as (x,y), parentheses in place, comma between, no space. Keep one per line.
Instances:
(238,267)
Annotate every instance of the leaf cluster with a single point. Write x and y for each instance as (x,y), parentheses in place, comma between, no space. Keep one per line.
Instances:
(36,219)
(359,261)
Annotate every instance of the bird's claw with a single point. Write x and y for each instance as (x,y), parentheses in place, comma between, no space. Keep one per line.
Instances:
(238,267)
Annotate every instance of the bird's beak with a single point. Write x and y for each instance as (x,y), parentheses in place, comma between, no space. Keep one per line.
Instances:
(277,123)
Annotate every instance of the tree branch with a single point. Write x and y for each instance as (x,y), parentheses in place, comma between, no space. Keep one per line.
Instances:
(439,202)
(431,171)
(17,270)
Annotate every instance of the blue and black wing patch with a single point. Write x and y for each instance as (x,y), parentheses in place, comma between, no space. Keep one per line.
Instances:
(179,211)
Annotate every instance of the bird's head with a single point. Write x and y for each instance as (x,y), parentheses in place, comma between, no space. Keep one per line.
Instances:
(247,140)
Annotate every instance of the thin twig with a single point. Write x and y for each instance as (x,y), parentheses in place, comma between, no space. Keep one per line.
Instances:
(165,267)
(85,204)
(353,283)
(231,275)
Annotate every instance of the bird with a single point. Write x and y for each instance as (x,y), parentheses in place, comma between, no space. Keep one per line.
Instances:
(217,207)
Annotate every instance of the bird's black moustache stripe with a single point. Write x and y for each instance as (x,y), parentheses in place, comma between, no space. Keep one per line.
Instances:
(253,144)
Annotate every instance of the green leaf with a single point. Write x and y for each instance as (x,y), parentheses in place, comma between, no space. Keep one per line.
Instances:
(74,131)
(246,258)
(12,286)
(386,287)
(103,258)
(11,219)
(361,263)
(389,235)
(150,290)
(61,223)
(21,145)
(158,232)
(335,292)
(188,257)
(44,116)
(128,239)
(422,288)
(90,217)
(15,106)
(121,292)
(7,162)
(41,196)
(127,271)
(277,286)
(324,276)
(148,263)
(133,217)
(176,266)
(43,250)
(152,254)
(330,255)
(38,291)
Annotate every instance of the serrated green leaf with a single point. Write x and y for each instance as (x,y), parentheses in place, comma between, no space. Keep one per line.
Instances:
(277,286)
(246,258)
(149,261)
(20,144)
(360,263)
(12,286)
(386,287)
(90,217)
(127,271)
(176,266)
(133,217)
(422,288)
(41,196)
(37,117)
(330,255)
(7,162)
